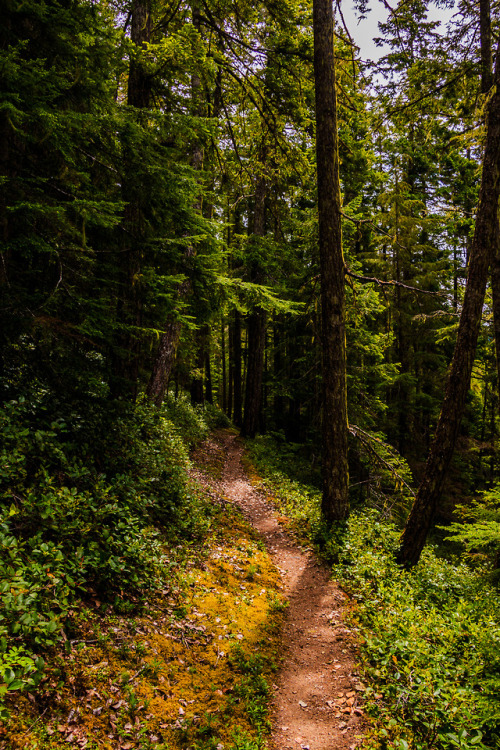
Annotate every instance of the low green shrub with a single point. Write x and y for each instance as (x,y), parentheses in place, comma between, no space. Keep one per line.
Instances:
(429,637)
(92,504)
(430,642)
(189,420)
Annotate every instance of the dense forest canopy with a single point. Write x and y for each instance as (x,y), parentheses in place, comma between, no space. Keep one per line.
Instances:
(163,218)
(159,221)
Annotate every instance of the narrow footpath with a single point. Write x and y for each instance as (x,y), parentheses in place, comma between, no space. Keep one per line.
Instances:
(317,698)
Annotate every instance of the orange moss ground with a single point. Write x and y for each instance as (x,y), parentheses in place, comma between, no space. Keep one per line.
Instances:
(171,677)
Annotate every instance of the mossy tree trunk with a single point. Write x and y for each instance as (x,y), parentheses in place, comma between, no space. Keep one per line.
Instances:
(424,508)
(335,500)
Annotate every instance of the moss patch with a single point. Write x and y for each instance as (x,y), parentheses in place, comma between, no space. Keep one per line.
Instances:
(191,670)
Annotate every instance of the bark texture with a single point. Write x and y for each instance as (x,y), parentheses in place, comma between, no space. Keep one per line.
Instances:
(163,363)
(485,35)
(237,379)
(335,500)
(424,508)
(257,321)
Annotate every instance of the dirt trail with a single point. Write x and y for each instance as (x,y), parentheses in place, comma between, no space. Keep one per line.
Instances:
(317,695)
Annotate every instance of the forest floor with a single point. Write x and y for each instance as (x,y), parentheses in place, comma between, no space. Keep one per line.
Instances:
(317,693)
(249,619)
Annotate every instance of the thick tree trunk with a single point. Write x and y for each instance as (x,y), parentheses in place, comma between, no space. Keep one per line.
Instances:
(495,291)
(485,35)
(237,370)
(335,500)
(486,83)
(209,398)
(255,367)
(139,82)
(278,367)
(125,355)
(223,358)
(163,363)
(458,382)
(256,330)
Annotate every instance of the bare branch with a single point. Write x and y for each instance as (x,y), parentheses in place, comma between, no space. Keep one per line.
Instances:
(391,282)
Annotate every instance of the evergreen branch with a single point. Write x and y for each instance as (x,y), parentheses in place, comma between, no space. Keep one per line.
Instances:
(412,102)
(232,136)
(394,241)
(367,441)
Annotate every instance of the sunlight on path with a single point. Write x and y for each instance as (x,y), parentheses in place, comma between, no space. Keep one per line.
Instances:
(316,704)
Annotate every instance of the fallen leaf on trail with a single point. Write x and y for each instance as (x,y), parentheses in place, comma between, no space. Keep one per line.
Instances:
(351,693)
(302,704)
(284,729)
(350,701)
(181,711)
(330,704)
(342,725)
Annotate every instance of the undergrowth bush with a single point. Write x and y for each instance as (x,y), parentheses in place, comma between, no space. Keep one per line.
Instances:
(92,501)
(429,637)
(430,641)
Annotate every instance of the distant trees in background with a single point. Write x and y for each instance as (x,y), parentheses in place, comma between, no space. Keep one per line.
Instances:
(158,218)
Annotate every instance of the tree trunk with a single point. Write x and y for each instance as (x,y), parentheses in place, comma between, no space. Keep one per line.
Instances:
(237,374)
(223,358)
(485,36)
(256,330)
(209,398)
(486,83)
(458,382)
(125,354)
(255,367)
(335,500)
(163,363)
(495,292)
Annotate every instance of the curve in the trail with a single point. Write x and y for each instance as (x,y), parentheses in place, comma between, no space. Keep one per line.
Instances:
(317,695)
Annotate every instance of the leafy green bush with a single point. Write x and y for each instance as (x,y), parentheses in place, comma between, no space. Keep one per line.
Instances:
(430,642)
(215,417)
(429,637)
(189,420)
(90,503)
